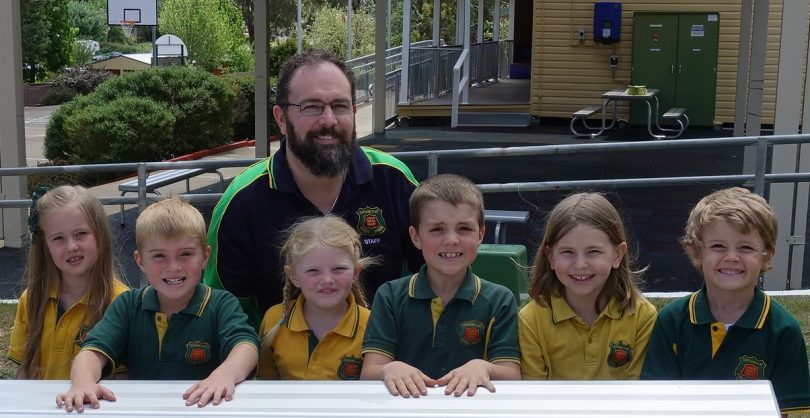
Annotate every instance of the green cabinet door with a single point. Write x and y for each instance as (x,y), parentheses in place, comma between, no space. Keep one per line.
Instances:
(696,86)
(677,54)
(655,55)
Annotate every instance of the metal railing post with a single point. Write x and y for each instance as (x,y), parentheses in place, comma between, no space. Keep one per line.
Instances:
(761,163)
(141,187)
(433,164)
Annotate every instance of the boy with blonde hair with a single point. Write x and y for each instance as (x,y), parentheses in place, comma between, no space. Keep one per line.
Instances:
(164,331)
(730,329)
(443,325)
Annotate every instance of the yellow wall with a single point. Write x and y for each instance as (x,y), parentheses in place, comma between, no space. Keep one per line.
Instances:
(568,75)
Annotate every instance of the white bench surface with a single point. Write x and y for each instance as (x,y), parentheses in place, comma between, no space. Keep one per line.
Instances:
(671,399)
(587,111)
(674,113)
(162,178)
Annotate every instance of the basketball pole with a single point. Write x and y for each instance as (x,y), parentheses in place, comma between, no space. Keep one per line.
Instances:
(154,47)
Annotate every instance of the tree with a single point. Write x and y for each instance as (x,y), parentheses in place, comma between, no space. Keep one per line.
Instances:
(211,29)
(47,41)
(328,32)
(90,17)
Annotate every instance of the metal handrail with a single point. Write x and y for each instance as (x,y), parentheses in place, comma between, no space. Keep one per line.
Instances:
(759,177)
(459,86)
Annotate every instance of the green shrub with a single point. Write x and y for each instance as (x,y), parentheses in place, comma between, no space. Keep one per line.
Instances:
(82,80)
(201,103)
(279,52)
(123,130)
(244,108)
(56,147)
(58,95)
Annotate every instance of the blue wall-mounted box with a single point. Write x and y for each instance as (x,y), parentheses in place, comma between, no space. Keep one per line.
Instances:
(607,22)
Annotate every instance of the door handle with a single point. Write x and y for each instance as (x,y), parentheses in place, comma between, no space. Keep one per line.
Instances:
(672,71)
(680,68)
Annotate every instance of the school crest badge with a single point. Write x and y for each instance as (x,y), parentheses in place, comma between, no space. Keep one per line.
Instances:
(81,336)
(470,333)
(350,367)
(370,221)
(750,368)
(620,354)
(198,352)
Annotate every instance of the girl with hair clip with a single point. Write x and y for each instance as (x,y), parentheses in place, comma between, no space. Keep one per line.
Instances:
(71,281)
(316,333)
(587,319)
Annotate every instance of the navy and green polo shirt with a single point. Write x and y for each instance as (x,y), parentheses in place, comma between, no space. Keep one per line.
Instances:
(246,230)
(188,346)
(765,343)
(409,323)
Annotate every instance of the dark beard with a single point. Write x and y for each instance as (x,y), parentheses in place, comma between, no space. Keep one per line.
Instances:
(322,161)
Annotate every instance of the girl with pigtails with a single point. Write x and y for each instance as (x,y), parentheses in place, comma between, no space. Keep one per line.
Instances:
(316,333)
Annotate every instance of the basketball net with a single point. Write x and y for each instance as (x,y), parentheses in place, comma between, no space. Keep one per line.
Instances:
(128,26)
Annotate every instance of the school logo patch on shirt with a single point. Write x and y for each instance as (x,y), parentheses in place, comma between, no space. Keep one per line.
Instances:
(81,336)
(750,368)
(350,367)
(198,352)
(370,221)
(470,333)
(620,354)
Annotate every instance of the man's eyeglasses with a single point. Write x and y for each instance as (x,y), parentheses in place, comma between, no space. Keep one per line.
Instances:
(316,108)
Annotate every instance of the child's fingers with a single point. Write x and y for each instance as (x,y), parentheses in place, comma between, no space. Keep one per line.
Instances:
(489,385)
(190,390)
(413,387)
(205,397)
(106,393)
(217,396)
(392,387)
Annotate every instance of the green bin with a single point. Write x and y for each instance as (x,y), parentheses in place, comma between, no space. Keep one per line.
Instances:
(505,265)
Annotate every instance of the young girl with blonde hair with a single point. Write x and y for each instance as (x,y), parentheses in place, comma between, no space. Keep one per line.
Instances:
(587,319)
(316,333)
(71,281)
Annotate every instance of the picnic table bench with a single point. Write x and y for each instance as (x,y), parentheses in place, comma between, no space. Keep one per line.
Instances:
(164,178)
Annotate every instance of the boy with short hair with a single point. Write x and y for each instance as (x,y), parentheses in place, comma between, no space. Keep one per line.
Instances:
(443,325)
(164,330)
(730,329)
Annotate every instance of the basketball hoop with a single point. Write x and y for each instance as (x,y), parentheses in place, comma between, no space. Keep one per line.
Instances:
(128,26)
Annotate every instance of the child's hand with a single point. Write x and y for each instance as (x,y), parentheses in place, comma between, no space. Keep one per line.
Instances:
(468,377)
(213,388)
(80,394)
(405,380)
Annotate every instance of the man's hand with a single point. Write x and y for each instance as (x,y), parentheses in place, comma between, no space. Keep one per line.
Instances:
(405,380)
(468,377)
(79,394)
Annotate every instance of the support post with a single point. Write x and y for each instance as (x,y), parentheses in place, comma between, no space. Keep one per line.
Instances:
(12,123)
(379,101)
(786,199)
(298,30)
(406,52)
(263,110)
(349,29)
(437,14)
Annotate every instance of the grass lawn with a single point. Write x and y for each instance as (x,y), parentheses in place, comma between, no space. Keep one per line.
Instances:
(799,306)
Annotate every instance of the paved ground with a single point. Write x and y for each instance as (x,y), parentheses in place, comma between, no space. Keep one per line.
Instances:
(655,215)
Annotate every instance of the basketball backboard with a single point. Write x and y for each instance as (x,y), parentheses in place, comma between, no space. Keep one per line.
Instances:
(141,12)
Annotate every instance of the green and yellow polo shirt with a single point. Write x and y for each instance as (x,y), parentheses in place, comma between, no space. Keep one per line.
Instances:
(296,354)
(556,344)
(765,343)
(409,323)
(189,346)
(62,335)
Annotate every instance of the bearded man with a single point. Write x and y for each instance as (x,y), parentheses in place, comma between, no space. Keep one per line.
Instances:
(319,169)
